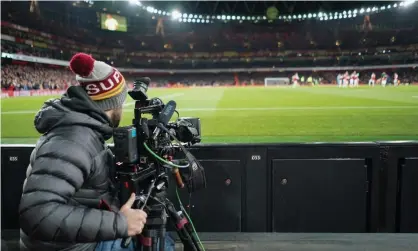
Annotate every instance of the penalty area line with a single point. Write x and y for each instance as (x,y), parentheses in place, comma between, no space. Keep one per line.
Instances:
(178,94)
(289,108)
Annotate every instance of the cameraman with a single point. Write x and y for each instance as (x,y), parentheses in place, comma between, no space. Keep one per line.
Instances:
(69,200)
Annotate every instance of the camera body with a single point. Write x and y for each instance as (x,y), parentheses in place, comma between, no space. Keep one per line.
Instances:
(144,151)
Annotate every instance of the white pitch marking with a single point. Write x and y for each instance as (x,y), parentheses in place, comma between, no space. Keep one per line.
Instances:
(161,97)
(291,108)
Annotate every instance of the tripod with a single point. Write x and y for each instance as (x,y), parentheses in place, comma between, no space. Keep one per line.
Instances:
(159,211)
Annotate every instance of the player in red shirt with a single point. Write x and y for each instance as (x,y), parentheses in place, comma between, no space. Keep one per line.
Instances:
(395,79)
(346,79)
(352,78)
(356,79)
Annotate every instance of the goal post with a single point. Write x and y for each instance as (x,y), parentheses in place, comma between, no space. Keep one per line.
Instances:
(276,82)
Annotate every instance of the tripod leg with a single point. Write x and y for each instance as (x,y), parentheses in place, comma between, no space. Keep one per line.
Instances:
(161,239)
(155,243)
(146,241)
(183,229)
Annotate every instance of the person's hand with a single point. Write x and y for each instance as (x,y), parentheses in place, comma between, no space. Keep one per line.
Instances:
(136,218)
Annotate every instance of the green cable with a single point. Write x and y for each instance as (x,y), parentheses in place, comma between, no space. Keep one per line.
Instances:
(190,220)
(161,159)
(178,197)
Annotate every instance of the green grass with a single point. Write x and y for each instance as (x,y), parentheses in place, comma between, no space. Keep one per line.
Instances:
(255,115)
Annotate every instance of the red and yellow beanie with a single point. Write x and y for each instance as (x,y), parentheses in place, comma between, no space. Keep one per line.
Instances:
(104,84)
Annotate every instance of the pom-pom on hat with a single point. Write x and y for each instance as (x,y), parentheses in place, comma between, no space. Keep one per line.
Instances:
(104,84)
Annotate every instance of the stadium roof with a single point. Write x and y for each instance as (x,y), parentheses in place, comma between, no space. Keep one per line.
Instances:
(244,7)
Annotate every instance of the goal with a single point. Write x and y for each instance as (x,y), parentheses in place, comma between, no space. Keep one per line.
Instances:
(276,81)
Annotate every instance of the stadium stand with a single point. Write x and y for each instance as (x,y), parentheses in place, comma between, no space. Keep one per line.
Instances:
(334,43)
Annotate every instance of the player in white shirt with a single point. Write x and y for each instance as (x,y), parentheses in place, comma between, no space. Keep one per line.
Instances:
(395,79)
(339,79)
(295,80)
(372,80)
(384,79)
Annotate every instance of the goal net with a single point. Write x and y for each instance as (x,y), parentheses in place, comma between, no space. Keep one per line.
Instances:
(276,81)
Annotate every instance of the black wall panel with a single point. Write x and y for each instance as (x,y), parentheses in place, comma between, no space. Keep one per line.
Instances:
(408,196)
(14,162)
(347,187)
(319,195)
(394,159)
(369,155)
(218,207)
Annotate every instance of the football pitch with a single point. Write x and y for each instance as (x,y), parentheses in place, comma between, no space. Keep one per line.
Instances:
(258,114)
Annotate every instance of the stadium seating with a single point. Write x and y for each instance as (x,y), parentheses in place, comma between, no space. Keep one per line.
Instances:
(341,43)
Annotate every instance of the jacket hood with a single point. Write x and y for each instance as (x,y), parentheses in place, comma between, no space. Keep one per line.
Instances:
(74,108)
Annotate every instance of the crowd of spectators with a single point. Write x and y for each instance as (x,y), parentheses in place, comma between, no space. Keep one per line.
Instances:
(218,45)
(41,77)
(25,77)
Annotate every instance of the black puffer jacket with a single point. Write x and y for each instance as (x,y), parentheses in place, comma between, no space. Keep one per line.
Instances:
(68,181)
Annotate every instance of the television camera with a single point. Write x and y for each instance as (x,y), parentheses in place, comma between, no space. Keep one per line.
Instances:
(145,154)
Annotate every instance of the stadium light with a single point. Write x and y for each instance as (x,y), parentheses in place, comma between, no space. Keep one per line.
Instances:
(135,2)
(176,14)
(325,16)
(150,9)
(408,2)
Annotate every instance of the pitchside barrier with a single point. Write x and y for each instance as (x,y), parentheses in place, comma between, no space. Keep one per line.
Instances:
(315,187)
